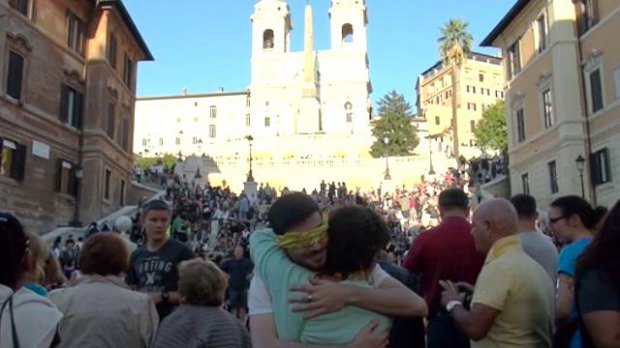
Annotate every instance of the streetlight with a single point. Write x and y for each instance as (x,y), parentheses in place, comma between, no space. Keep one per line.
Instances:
(249,138)
(580,161)
(386,141)
(431,170)
(79,174)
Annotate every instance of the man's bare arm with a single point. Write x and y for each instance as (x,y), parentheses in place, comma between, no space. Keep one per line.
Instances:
(391,298)
(475,323)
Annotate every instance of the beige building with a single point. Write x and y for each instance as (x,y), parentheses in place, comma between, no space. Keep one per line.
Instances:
(479,84)
(67,95)
(562,62)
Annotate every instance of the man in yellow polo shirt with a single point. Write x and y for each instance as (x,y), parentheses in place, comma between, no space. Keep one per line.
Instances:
(512,303)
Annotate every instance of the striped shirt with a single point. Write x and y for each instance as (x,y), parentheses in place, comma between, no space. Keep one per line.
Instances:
(201,327)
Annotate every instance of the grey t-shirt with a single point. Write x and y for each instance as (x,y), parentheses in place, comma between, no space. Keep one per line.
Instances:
(542,250)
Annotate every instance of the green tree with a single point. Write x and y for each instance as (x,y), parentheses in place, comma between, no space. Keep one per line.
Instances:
(168,161)
(455,33)
(492,132)
(394,125)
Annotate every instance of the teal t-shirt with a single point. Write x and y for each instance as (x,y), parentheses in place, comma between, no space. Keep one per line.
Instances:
(279,274)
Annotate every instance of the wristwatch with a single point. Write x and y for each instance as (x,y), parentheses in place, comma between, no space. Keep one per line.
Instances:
(450,306)
(165,296)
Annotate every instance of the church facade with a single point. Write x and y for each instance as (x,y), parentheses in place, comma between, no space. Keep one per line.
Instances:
(308,112)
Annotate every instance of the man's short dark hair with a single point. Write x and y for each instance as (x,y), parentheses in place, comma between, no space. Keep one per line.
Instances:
(453,198)
(156,204)
(525,206)
(291,210)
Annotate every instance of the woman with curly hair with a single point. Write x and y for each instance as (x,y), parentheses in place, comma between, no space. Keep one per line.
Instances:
(598,286)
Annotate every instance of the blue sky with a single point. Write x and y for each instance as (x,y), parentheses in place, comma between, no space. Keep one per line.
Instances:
(205,44)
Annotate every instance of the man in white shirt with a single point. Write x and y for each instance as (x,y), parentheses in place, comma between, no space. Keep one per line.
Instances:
(299,212)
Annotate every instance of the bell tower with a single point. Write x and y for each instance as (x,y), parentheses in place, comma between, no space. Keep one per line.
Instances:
(271,27)
(349,21)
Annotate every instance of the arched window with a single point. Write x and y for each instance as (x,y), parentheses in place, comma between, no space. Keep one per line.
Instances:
(347,33)
(348,108)
(268,39)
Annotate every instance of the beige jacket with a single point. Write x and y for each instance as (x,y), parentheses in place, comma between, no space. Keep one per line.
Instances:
(102,312)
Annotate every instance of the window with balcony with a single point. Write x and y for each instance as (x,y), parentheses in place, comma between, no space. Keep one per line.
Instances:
(587,15)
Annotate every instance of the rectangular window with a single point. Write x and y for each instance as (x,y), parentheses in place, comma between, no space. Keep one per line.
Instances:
(547,102)
(195,140)
(587,15)
(143,142)
(553,177)
(126,132)
(213,111)
(20,5)
(161,141)
(617,82)
(247,101)
(473,89)
(267,122)
(77,29)
(212,131)
(66,180)
(15,75)
(121,200)
(12,159)
(128,71)
(520,115)
(481,77)
(437,120)
(71,105)
(514,60)
(468,89)
(248,120)
(596,90)
(541,24)
(525,182)
(106,184)
(177,141)
(472,126)
(112,51)
(601,167)
(111,120)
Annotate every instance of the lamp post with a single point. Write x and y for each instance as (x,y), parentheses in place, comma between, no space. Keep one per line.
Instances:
(431,170)
(250,139)
(79,174)
(386,141)
(580,162)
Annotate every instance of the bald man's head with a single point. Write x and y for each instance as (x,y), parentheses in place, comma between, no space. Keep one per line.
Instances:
(493,220)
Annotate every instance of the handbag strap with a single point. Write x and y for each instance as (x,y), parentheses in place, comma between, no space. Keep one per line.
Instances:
(9,302)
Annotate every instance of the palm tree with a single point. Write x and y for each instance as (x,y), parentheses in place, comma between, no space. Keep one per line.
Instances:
(455,43)
(455,32)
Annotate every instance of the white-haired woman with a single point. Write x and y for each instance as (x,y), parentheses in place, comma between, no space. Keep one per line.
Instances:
(200,321)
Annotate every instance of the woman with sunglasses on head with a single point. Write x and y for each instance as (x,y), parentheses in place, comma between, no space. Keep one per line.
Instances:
(572,219)
(598,285)
(27,320)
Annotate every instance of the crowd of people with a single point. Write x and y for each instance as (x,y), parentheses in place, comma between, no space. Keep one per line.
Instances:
(412,267)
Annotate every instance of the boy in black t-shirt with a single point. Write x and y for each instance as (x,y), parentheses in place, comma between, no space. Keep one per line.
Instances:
(154,266)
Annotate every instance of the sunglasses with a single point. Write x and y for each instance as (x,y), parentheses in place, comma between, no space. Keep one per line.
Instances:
(554,220)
